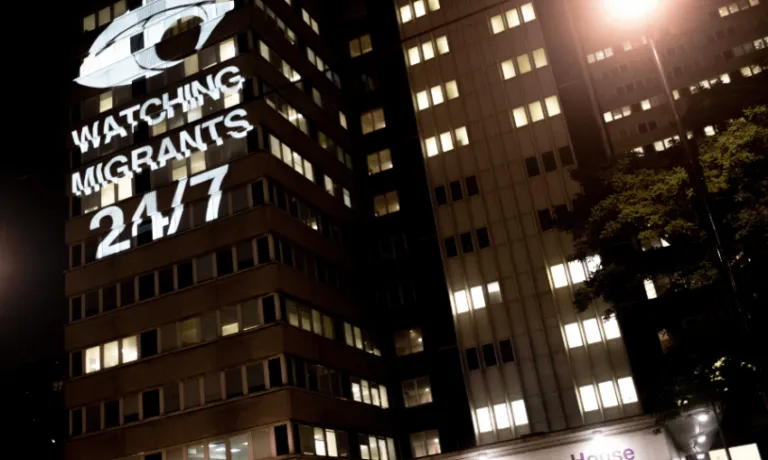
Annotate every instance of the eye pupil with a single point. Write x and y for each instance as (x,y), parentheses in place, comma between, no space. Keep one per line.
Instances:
(189,24)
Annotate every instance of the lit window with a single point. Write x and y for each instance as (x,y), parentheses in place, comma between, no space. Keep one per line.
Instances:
(105,101)
(431,146)
(422,100)
(519,414)
(576,268)
(497,24)
(539,58)
(508,69)
(446,141)
(723,11)
(417,392)
(588,398)
(523,63)
(521,119)
(593,264)
(437,95)
(611,328)
(558,275)
(129,350)
(434,5)
(406,14)
(425,443)
(573,335)
(89,23)
(553,107)
(484,420)
(442,45)
(513,18)
(462,304)
(709,130)
(676,94)
(408,342)
(725,78)
(478,298)
(452,89)
(107,195)
(419,9)
(650,289)
(462,138)
(591,330)
(608,394)
(607,117)
(501,416)
(591,58)
(627,45)
(428,49)
(92,360)
(494,292)
(372,121)
(528,13)
(413,55)
(379,161)
(627,390)
(105,15)
(536,111)
(111,354)
(343,120)
(386,204)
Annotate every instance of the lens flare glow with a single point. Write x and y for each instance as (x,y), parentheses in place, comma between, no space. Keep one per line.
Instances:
(628,10)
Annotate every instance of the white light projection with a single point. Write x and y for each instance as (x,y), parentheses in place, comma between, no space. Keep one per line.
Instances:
(110,61)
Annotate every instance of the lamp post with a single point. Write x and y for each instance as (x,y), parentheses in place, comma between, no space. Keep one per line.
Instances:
(641,11)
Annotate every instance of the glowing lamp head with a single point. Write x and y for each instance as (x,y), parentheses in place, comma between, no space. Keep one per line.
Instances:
(630,10)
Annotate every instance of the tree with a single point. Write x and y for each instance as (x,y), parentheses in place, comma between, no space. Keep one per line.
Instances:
(640,213)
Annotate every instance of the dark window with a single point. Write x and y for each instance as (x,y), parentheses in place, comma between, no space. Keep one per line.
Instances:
(489,355)
(137,42)
(471,183)
(77,364)
(281,440)
(483,239)
(456,192)
(165,280)
(127,295)
(233,383)
(532,166)
(154,456)
(275,373)
(466,242)
(254,375)
(268,309)
(150,403)
(77,422)
(91,245)
(224,264)
(506,352)
(143,182)
(545,219)
(630,87)
(286,253)
(111,413)
(91,304)
(262,249)
(76,308)
(562,214)
(244,255)
(171,398)
(146,286)
(257,192)
(440,196)
(450,247)
(76,252)
(185,274)
(144,233)
(548,158)
(566,155)
(652,125)
(148,343)
(636,107)
(92,419)
(109,298)
(642,128)
(473,363)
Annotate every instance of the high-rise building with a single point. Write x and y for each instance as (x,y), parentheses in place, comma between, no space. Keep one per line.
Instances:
(262,192)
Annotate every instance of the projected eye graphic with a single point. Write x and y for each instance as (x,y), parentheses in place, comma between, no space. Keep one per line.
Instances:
(125,50)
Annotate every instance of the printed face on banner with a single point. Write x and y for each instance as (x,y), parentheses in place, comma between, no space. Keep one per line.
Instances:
(125,50)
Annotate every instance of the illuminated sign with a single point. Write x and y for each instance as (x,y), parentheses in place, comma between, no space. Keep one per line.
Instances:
(111,60)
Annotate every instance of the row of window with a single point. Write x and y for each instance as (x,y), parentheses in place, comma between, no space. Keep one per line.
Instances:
(627,110)
(511,18)
(605,53)
(735,7)
(589,331)
(426,51)
(634,85)
(447,141)
(248,379)
(104,16)
(483,240)
(490,355)
(608,394)
(310,21)
(457,192)
(504,416)
(416,9)
(534,111)
(548,161)
(579,271)
(491,292)
(523,63)
(388,203)
(437,95)
(746,48)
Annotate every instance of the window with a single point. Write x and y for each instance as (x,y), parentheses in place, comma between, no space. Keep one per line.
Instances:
(650,289)
(406,14)
(372,121)
(523,63)
(409,342)
(379,161)
(497,24)
(425,443)
(478,298)
(386,204)
(92,359)
(462,138)
(559,278)
(360,45)
(536,111)
(494,292)
(506,351)
(417,392)
(441,197)
(501,416)
(553,107)
(442,45)
(489,355)
(452,89)
(483,239)
(611,328)
(528,13)
(310,21)
(462,302)
(608,394)
(532,166)
(627,390)
(588,398)
(466,243)
(539,58)
(520,117)
(573,335)
(483,420)
(591,330)
(508,69)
